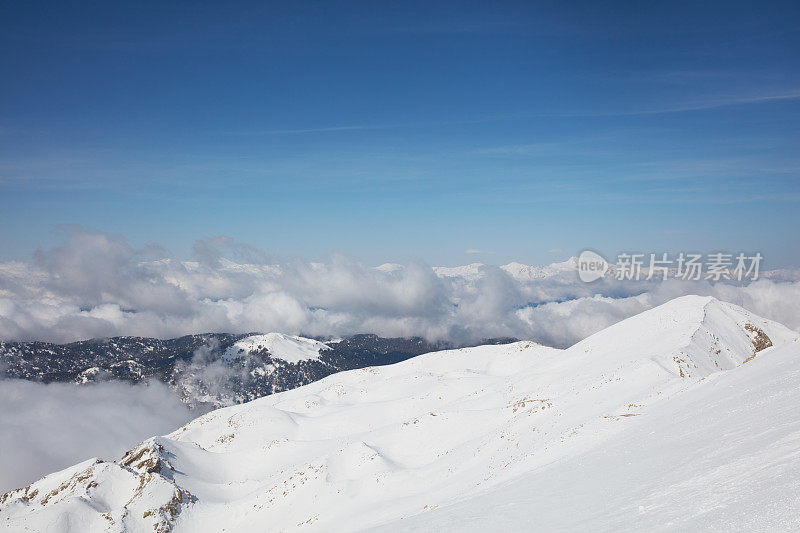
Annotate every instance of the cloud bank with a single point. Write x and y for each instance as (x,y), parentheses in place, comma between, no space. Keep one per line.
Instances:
(95,285)
(46,428)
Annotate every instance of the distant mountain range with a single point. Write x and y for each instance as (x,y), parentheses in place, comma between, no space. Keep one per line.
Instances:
(518,271)
(209,370)
(567,271)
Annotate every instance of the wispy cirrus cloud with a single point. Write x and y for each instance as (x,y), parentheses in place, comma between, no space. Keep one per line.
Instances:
(687,106)
(322,129)
(477,251)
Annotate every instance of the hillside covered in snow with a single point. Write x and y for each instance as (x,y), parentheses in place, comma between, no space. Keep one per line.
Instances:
(681,417)
(210,370)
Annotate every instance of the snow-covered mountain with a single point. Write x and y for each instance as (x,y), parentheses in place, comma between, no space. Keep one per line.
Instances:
(673,412)
(565,271)
(214,369)
(518,271)
(289,348)
(521,272)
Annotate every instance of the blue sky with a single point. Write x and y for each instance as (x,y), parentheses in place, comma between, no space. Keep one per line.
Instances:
(398,132)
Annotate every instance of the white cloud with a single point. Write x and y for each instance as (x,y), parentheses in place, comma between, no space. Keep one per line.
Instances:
(477,251)
(94,286)
(50,427)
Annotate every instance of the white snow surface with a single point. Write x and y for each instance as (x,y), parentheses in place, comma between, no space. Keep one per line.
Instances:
(518,271)
(285,347)
(522,272)
(720,457)
(669,420)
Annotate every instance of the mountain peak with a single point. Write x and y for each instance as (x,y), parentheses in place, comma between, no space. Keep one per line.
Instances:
(690,335)
(522,272)
(289,348)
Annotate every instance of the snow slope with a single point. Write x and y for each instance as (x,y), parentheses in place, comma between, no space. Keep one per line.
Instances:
(465,439)
(721,457)
(285,347)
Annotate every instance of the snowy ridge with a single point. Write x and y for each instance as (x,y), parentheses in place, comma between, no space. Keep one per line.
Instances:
(285,347)
(378,445)
(521,272)
(706,336)
(518,271)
